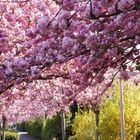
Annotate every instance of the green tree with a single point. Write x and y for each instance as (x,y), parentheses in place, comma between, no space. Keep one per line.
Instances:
(52,128)
(110,114)
(34,127)
(109,126)
(84,126)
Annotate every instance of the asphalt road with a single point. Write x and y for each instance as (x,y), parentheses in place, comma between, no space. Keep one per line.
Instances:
(25,136)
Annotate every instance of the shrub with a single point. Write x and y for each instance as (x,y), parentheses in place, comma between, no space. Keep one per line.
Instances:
(21,126)
(84,126)
(47,131)
(52,128)
(11,136)
(110,114)
(34,127)
(109,125)
(73,137)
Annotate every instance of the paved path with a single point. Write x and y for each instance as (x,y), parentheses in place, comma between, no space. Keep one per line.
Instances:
(25,136)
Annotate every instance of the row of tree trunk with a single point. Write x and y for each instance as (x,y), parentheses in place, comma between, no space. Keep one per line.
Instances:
(63,125)
(2,127)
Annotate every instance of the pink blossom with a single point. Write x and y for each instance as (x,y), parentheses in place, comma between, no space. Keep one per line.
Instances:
(125,75)
(42,24)
(126,4)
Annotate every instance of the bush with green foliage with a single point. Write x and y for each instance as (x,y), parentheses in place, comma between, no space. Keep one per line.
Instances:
(73,137)
(21,127)
(52,128)
(84,126)
(48,130)
(34,127)
(11,136)
(110,114)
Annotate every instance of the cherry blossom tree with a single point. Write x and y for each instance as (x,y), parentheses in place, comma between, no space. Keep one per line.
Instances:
(53,51)
(73,39)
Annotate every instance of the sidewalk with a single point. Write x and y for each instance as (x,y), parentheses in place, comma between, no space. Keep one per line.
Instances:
(25,136)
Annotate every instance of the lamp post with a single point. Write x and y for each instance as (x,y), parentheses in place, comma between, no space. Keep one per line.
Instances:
(121,110)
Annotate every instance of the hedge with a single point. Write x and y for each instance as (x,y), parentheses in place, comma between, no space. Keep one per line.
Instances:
(11,136)
(52,128)
(34,127)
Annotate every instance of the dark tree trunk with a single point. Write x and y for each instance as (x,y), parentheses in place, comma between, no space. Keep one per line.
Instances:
(73,110)
(97,135)
(3,127)
(63,125)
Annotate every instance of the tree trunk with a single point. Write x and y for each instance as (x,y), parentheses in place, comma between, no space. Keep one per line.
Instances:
(3,134)
(97,135)
(3,127)
(45,117)
(63,125)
